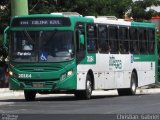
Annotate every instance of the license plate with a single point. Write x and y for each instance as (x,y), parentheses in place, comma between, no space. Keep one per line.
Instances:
(38,84)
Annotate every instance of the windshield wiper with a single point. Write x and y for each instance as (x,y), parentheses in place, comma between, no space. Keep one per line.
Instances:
(29,37)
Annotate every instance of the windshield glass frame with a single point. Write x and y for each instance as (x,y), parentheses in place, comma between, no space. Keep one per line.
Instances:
(39,41)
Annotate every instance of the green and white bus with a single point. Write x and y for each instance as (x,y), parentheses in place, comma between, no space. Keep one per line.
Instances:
(62,53)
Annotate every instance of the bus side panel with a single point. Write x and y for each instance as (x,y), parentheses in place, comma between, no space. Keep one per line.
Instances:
(122,70)
(105,77)
(112,71)
(81,77)
(145,73)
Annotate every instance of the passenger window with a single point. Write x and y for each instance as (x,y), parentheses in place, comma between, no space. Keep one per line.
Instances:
(113,39)
(151,41)
(103,39)
(134,46)
(143,40)
(123,40)
(91,38)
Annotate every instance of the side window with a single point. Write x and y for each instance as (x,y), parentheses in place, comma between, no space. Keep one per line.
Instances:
(123,40)
(103,39)
(113,39)
(151,40)
(134,46)
(80,42)
(80,30)
(143,40)
(91,38)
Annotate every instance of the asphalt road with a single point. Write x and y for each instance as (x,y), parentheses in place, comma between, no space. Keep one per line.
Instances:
(67,107)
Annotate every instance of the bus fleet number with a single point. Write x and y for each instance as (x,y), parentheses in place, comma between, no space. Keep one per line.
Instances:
(24,76)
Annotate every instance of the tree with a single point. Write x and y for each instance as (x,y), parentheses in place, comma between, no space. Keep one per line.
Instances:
(84,7)
(139,9)
(4,14)
(41,6)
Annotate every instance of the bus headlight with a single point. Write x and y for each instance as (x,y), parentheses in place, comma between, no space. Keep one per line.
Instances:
(69,73)
(64,76)
(10,73)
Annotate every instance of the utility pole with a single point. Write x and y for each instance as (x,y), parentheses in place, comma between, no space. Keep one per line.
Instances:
(19,7)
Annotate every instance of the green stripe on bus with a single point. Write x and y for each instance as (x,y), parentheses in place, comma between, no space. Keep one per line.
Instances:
(143,24)
(89,59)
(141,58)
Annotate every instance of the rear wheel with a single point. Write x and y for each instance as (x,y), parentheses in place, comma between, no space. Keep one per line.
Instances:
(133,86)
(85,94)
(29,95)
(132,90)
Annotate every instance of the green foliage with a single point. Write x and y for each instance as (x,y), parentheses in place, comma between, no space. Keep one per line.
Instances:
(84,7)
(139,12)
(4,14)
(41,6)
(96,7)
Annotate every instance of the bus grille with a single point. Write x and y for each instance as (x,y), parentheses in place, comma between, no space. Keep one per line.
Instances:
(39,69)
(39,80)
(29,82)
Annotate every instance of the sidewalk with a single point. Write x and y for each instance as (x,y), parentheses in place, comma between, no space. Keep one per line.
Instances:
(5,92)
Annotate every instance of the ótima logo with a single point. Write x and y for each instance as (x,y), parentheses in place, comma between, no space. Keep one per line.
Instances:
(43,56)
(115,63)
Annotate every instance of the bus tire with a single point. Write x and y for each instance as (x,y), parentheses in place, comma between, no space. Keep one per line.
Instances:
(29,95)
(132,90)
(87,93)
(133,87)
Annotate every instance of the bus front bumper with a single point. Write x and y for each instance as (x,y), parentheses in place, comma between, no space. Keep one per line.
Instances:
(67,84)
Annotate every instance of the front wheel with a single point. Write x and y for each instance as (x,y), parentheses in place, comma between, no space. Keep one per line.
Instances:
(87,93)
(29,95)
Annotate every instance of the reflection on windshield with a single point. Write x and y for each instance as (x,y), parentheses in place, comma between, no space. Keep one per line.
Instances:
(42,46)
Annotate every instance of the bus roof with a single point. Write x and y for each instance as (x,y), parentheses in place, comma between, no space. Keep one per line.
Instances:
(114,21)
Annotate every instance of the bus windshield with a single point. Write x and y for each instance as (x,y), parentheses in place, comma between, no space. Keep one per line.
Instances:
(41,46)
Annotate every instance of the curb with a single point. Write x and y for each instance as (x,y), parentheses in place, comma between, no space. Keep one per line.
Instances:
(5,92)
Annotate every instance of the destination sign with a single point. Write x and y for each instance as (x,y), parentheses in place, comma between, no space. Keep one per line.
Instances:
(40,22)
